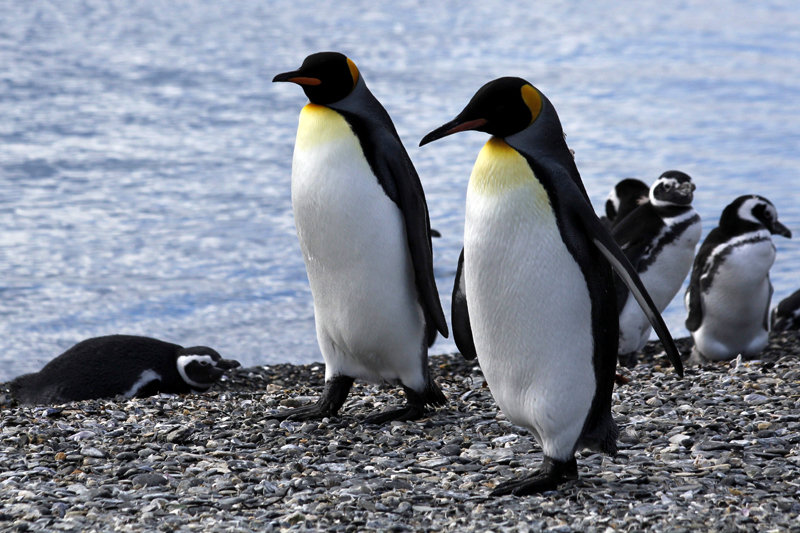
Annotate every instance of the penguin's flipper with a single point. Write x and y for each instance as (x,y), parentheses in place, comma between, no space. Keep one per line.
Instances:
(769,300)
(551,474)
(694,304)
(634,248)
(612,252)
(328,405)
(151,388)
(411,200)
(462,331)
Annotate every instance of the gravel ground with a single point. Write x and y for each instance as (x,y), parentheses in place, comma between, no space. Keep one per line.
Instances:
(716,451)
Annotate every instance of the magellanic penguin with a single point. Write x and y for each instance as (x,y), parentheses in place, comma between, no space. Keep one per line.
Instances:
(363,227)
(786,315)
(729,292)
(121,365)
(539,286)
(626,196)
(659,238)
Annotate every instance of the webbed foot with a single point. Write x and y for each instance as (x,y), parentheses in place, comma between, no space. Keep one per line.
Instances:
(547,477)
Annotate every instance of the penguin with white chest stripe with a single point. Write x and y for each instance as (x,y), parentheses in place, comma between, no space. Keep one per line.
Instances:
(121,365)
(729,292)
(538,271)
(363,227)
(786,315)
(659,238)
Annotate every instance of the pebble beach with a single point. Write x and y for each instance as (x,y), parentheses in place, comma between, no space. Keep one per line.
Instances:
(716,451)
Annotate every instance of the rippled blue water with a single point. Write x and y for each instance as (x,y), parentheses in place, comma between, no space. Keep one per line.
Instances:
(145,156)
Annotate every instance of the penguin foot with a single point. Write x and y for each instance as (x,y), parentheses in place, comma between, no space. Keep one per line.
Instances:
(404,414)
(628,360)
(547,477)
(328,405)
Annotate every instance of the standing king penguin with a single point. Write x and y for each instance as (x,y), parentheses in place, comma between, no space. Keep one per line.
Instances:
(537,265)
(729,291)
(659,238)
(364,230)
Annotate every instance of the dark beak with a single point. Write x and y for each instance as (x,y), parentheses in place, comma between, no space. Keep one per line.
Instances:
(779,229)
(227,364)
(296,76)
(454,126)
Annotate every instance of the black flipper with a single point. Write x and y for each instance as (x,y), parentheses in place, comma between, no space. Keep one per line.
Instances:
(328,405)
(462,331)
(548,477)
(392,166)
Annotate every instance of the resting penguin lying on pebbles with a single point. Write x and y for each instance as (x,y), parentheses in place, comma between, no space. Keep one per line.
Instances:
(729,292)
(659,238)
(786,315)
(363,227)
(537,265)
(121,365)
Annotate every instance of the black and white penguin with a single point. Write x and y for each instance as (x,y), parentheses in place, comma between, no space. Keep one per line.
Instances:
(729,292)
(121,365)
(659,238)
(363,227)
(626,196)
(539,287)
(786,315)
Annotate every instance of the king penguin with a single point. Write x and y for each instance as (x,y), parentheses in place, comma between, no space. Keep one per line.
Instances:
(659,238)
(364,231)
(729,291)
(539,287)
(785,316)
(121,365)
(627,195)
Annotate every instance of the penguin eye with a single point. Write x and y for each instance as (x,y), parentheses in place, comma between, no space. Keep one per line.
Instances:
(667,186)
(204,363)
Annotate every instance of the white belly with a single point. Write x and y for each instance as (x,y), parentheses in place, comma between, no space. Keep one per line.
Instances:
(735,305)
(370,324)
(529,305)
(663,279)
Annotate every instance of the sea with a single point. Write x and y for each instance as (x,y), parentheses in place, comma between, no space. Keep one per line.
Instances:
(145,155)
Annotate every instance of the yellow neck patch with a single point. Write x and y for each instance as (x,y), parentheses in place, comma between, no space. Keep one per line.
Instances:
(353,71)
(533,100)
(501,169)
(318,125)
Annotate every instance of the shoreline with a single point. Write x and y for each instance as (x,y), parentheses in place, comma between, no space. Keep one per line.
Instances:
(718,450)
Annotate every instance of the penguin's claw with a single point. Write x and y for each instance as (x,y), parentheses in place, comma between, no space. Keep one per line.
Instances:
(308,412)
(404,414)
(548,477)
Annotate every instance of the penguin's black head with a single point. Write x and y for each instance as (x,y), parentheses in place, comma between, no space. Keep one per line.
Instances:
(672,188)
(200,366)
(501,108)
(754,210)
(326,77)
(626,196)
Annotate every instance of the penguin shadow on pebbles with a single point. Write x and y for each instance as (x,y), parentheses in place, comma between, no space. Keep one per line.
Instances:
(729,292)
(537,285)
(121,365)
(363,226)
(659,238)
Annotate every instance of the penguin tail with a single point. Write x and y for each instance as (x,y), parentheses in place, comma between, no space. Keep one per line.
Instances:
(433,395)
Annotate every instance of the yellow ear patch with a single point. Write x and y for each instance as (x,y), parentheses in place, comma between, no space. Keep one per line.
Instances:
(533,100)
(353,71)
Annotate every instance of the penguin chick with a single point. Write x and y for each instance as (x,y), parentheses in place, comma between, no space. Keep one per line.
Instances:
(786,315)
(537,264)
(626,196)
(729,292)
(363,226)
(659,239)
(121,365)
